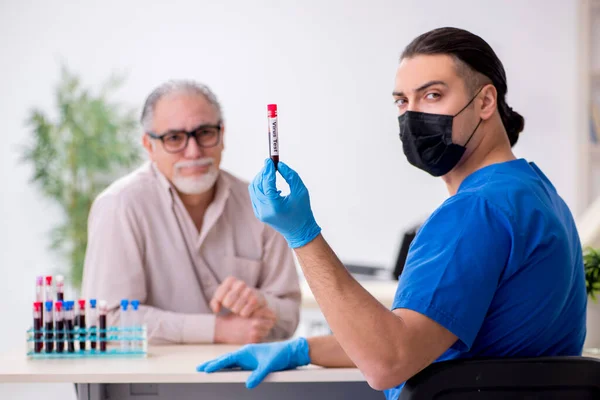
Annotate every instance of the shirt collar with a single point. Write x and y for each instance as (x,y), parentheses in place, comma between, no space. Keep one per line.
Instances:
(162,180)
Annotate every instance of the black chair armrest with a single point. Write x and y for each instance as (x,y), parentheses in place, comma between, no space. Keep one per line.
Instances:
(505,378)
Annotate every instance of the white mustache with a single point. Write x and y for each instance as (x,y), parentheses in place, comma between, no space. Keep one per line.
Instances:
(194,163)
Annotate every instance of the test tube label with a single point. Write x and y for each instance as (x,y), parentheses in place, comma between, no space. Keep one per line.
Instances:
(273,133)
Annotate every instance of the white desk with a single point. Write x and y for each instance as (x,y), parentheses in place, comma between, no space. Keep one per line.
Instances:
(169,372)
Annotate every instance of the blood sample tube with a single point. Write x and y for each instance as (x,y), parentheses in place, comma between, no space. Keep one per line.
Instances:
(49,294)
(37,327)
(59,324)
(60,288)
(103,309)
(39,288)
(93,321)
(70,327)
(273,133)
(39,294)
(49,327)
(81,324)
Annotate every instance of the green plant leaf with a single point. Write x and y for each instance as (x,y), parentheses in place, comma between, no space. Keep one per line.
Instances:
(591,261)
(77,155)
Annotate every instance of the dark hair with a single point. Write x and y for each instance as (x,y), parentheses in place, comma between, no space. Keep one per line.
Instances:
(468,48)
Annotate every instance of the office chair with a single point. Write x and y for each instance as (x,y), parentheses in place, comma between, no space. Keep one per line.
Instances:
(543,378)
(407,239)
(370,272)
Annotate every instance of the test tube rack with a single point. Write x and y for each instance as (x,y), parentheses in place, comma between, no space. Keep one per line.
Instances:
(111,342)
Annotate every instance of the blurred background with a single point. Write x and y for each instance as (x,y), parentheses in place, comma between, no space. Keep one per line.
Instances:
(87,67)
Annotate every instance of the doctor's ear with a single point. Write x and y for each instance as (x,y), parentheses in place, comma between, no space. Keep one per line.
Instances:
(489,103)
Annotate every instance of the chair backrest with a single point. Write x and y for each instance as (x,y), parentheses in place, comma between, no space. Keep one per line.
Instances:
(407,239)
(547,378)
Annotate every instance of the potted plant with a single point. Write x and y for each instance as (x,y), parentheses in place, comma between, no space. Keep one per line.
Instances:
(91,141)
(591,262)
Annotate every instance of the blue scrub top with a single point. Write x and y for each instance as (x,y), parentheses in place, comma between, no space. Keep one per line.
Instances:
(500,265)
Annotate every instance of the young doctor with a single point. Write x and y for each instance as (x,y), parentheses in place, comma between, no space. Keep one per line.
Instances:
(495,271)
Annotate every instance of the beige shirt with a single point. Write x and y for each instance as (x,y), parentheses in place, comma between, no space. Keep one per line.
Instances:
(143,244)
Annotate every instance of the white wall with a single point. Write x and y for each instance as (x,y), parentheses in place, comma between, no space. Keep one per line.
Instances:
(330,67)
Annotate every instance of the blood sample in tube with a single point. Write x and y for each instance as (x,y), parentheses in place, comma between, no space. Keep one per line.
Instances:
(70,327)
(81,324)
(60,288)
(37,327)
(49,327)
(103,309)
(59,324)
(39,295)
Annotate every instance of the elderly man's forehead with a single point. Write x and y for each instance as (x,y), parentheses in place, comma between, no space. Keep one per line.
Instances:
(184,103)
(183,111)
(183,95)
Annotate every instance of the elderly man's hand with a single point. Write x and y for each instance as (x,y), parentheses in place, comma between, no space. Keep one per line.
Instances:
(250,320)
(238,297)
(233,329)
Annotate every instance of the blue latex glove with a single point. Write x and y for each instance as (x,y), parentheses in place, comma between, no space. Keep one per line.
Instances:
(263,359)
(289,215)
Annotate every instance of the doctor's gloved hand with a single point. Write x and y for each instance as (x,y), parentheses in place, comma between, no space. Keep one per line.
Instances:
(289,215)
(262,359)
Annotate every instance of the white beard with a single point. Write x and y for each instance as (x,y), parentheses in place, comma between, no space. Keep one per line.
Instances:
(195,184)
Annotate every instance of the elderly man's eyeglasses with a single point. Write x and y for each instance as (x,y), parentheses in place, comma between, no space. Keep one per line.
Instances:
(206,136)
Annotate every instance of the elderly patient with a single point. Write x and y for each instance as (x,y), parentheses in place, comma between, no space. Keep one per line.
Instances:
(180,235)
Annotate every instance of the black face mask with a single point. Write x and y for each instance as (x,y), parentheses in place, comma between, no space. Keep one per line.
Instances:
(427,140)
